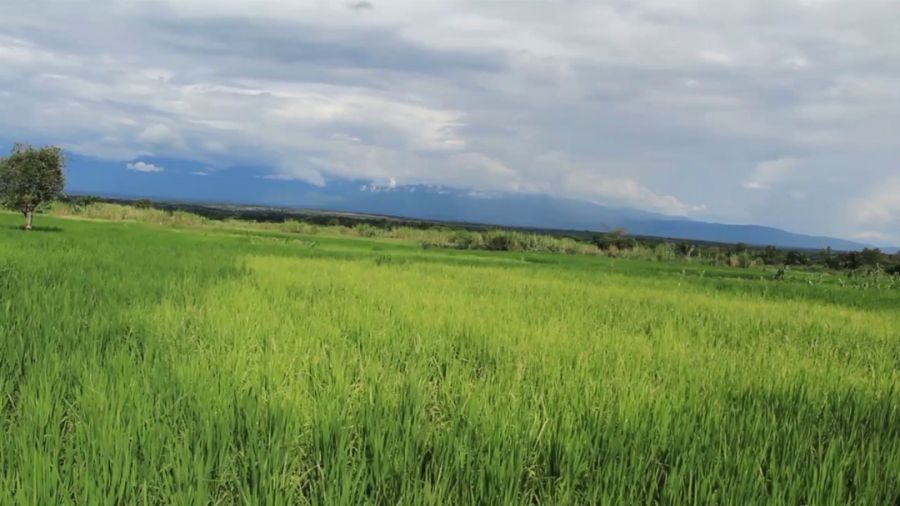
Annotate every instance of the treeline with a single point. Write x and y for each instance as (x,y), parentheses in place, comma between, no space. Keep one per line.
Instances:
(618,244)
(265,214)
(615,243)
(744,255)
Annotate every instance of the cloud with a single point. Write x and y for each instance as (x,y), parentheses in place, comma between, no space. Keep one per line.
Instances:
(199,173)
(625,191)
(160,135)
(266,44)
(716,57)
(771,172)
(881,206)
(143,167)
(362,5)
(873,236)
(475,94)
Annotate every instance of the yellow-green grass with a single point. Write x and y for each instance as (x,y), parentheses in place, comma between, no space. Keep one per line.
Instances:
(142,364)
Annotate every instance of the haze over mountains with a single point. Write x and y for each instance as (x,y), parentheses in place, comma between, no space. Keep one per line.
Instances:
(432,203)
(542,211)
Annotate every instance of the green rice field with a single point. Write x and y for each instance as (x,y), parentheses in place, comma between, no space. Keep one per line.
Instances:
(143,364)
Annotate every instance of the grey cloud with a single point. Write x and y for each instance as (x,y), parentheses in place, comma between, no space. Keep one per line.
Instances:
(362,5)
(283,43)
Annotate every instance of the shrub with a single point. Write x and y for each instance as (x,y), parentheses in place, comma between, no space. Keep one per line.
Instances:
(666,251)
(796,258)
(463,239)
(366,230)
(742,260)
(498,240)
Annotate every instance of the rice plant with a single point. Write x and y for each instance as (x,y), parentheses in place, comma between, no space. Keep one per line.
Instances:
(155,365)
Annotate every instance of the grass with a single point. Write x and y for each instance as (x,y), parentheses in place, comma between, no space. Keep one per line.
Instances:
(144,364)
(432,237)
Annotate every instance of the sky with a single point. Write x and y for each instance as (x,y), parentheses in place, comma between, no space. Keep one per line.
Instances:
(773,112)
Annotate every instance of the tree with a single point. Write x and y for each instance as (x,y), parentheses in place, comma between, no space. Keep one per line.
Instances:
(794,257)
(31,178)
(771,255)
(872,257)
(614,237)
(831,260)
(685,249)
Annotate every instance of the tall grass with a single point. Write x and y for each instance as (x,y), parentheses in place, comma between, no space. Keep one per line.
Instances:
(147,366)
(496,240)
(118,212)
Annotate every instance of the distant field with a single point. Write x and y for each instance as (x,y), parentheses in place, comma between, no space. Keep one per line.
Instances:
(148,365)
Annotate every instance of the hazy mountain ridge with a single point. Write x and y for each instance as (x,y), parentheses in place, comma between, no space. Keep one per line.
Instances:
(253,186)
(443,204)
(543,211)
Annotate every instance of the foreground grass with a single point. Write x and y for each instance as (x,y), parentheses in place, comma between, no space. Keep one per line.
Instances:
(145,365)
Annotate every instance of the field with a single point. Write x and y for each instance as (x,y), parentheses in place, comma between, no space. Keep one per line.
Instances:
(143,364)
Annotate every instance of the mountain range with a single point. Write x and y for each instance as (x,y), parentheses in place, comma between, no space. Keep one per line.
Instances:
(542,211)
(182,181)
(430,203)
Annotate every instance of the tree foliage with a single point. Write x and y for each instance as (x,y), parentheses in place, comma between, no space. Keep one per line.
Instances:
(31,178)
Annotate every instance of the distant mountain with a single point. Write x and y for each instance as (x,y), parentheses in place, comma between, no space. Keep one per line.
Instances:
(431,203)
(543,211)
(750,234)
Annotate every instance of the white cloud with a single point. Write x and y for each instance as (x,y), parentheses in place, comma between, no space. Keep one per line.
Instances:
(160,135)
(881,206)
(14,51)
(873,236)
(199,173)
(625,191)
(716,57)
(143,167)
(768,173)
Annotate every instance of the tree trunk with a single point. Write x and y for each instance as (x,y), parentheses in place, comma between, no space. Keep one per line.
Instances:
(28,216)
